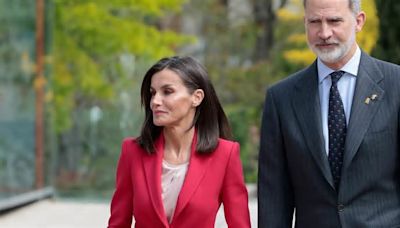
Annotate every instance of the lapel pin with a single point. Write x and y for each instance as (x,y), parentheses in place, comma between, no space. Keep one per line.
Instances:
(367,100)
(374,96)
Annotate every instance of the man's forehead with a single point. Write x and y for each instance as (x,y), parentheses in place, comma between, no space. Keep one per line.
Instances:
(326,12)
(333,15)
(326,5)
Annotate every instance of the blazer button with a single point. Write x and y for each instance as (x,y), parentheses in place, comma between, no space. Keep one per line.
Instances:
(340,207)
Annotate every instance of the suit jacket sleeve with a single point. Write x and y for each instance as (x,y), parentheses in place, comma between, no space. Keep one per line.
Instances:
(275,194)
(121,204)
(234,192)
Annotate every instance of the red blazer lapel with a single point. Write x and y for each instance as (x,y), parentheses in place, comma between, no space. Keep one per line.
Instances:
(196,171)
(152,169)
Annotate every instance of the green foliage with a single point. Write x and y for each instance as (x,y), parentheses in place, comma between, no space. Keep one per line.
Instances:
(246,132)
(89,39)
(368,36)
(388,46)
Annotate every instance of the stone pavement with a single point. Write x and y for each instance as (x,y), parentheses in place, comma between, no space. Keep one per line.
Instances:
(56,213)
(69,214)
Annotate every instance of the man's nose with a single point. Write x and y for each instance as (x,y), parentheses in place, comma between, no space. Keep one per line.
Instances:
(325,31)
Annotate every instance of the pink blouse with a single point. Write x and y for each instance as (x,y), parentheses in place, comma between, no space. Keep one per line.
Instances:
(172,178)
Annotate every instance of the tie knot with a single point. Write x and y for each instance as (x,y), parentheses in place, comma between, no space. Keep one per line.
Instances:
(335,76)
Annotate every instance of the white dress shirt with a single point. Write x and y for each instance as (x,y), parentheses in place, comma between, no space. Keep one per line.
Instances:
(346,86)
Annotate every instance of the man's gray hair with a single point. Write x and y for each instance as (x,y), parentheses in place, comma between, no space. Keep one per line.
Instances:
(354,5)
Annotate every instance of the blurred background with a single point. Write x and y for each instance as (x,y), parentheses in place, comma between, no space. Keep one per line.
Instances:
(70,74)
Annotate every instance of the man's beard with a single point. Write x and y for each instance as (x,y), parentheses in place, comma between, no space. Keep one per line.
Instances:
(338,52)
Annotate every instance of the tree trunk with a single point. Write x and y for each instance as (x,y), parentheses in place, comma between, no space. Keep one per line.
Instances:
(264,20)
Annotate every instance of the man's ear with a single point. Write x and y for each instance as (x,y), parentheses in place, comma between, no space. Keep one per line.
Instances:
(360,20)
(198,96)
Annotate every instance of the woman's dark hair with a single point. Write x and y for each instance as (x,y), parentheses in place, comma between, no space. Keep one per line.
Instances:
(210,120)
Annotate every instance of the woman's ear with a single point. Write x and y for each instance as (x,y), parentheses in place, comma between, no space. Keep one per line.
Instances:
(198,96)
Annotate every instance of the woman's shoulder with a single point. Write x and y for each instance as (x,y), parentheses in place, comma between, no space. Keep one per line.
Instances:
(225,151)
(131,145)
(227,145)
(130,141)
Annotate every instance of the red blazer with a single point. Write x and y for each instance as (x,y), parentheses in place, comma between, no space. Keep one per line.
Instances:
(210,180)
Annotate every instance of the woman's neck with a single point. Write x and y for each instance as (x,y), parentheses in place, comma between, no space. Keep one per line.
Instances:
(178,143)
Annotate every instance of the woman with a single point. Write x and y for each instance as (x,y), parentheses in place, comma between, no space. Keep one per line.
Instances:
(182,166)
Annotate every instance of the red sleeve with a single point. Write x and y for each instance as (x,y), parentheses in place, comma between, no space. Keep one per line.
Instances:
(234,192)
(121,203)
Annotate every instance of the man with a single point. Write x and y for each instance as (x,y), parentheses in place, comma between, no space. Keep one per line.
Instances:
(330,148)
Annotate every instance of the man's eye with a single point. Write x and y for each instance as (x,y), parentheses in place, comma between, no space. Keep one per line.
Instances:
(335,21)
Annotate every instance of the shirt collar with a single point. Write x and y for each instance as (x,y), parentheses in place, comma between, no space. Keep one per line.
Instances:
(350,67)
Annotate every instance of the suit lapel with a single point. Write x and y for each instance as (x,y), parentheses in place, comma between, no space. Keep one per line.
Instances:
(367,84)
(196,171)
(152,168)
(306,105)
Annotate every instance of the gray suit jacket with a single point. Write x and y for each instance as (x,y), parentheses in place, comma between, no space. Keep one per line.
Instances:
(294,173)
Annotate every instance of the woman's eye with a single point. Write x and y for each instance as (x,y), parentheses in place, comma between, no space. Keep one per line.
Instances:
(168,91)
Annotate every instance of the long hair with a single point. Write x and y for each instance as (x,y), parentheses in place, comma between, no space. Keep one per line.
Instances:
(209,120)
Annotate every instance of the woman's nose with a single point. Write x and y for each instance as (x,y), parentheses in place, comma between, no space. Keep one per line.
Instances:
(155,99)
